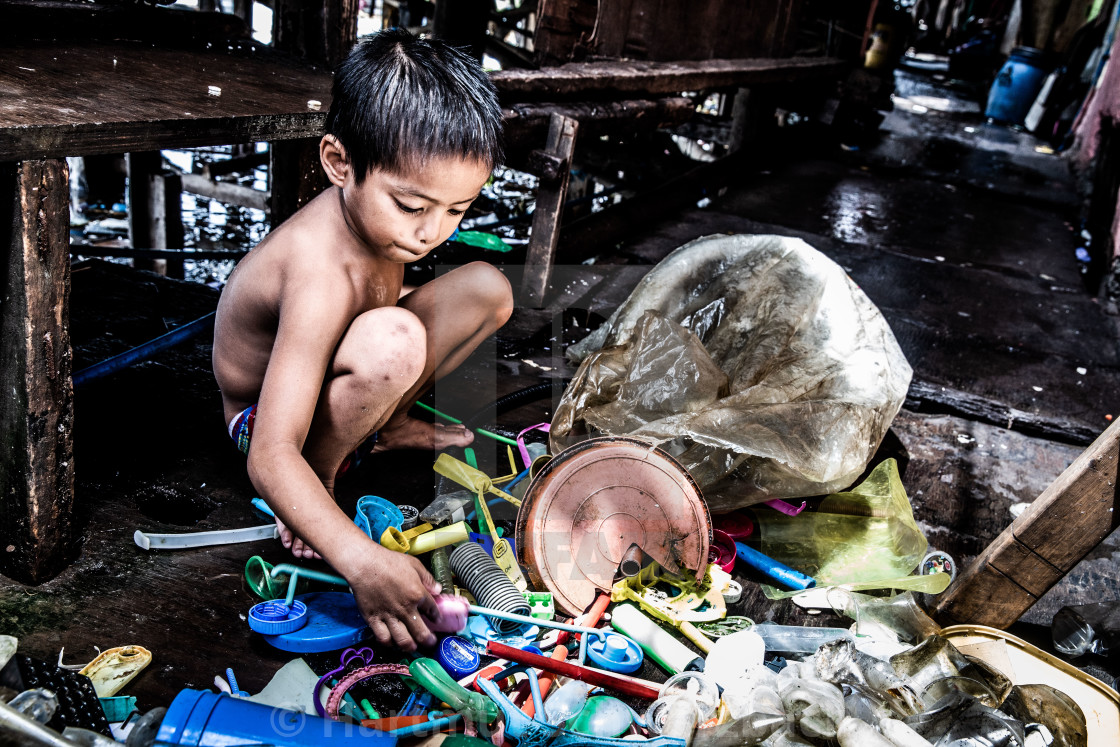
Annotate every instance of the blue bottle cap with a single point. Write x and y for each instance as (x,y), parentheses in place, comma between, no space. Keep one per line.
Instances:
(615,654)
(277,618)
(458,656)
(333,622)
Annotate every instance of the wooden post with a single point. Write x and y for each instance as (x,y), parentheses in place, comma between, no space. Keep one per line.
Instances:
(553,165)
(1064,524)
(321,32)
(167,220)
(36,410)
(142,212)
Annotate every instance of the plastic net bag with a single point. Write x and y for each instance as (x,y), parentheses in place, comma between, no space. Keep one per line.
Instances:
(754,360)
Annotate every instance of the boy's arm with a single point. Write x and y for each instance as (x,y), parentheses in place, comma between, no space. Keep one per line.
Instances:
(390,587)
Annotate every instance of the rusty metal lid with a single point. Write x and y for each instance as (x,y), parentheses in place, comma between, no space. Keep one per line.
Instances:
(592,501)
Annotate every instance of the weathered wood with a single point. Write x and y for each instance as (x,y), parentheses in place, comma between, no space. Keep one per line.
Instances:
(1060,527)
(231,194)
(549,211)
(562,28)
(59,20)
(296,176)
(235,165)
(628,77)
(143,213)
(702,29)
(36,411)
(527,124)
(167,222)
(927,397)
(87,98)
(319,31)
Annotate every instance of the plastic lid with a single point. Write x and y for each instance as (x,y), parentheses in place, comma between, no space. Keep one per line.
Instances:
(615,654)
(333,622)
(276,618)
(458,656)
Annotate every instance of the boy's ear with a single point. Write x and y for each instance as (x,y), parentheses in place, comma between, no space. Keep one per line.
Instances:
(335,160)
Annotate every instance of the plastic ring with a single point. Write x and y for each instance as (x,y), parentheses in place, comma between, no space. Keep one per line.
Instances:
(334,700)
(275,618)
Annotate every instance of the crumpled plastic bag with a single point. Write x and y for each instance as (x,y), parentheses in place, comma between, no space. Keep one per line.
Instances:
(754,360)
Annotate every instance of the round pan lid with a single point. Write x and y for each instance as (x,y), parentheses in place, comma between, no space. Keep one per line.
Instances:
(594,500)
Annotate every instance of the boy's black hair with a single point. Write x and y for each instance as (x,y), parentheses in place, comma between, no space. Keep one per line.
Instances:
(399,100)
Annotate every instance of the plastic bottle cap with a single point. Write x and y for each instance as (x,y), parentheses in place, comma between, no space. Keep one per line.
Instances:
(276,618)
(458,656)
(616,654)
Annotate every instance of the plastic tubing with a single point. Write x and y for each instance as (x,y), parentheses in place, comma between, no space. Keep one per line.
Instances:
(489,585)
(431,676)
(441,570)
(772,569)
(583,674)
(451,534)
(144,351)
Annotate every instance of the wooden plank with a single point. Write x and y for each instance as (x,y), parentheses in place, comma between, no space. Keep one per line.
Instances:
(628,77)
(59,20)
(562,29)
(527,124)
(89,98)
(1060,527)
(549,211)
(36,411)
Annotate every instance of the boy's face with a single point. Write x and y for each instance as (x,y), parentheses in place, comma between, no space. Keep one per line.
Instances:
(402,216)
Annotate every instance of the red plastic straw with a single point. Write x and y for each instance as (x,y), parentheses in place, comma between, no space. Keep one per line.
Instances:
(576,672)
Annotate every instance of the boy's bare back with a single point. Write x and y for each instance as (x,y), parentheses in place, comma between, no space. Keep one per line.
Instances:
(312,267)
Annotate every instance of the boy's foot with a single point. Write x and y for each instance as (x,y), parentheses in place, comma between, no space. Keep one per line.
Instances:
(295,544)
(403,432)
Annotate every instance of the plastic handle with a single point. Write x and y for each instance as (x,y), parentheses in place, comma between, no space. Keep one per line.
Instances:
(204,539)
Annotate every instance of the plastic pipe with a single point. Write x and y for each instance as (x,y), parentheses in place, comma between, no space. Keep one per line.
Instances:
(452,534)
(583,674)
(491,588)
(772,569)
(426,726)
(590,618)
(672,655)
(431,676)
(145,351)
(560,653)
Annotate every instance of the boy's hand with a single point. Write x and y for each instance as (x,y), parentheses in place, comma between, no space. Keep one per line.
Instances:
(396,593)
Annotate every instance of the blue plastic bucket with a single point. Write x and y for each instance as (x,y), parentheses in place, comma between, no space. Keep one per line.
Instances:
(206,719)
(1016,86)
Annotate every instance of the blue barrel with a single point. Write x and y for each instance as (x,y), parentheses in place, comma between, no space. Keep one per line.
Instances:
(1016,86)
(206,719)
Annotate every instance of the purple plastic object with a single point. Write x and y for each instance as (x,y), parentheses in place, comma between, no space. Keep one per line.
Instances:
(453,613)
(785,508)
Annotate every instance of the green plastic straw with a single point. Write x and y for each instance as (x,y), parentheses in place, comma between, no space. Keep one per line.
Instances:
(482,431)
(368,708)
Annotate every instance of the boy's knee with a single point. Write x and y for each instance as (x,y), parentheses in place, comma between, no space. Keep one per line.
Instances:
(493,288)
(389,346)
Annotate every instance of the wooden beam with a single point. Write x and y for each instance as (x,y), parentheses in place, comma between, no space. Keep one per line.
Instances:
(37,409)
(628,77)
(226,192)
(549,211)
(1062,526)
(527,124)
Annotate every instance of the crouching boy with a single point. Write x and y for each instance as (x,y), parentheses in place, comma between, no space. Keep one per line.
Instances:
(316,348)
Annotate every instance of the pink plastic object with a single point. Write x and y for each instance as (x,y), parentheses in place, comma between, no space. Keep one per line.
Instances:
(785,508)
(453,613)
(737,526)
(722,550)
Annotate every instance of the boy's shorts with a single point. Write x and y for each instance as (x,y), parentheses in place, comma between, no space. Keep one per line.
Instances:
(241,431)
